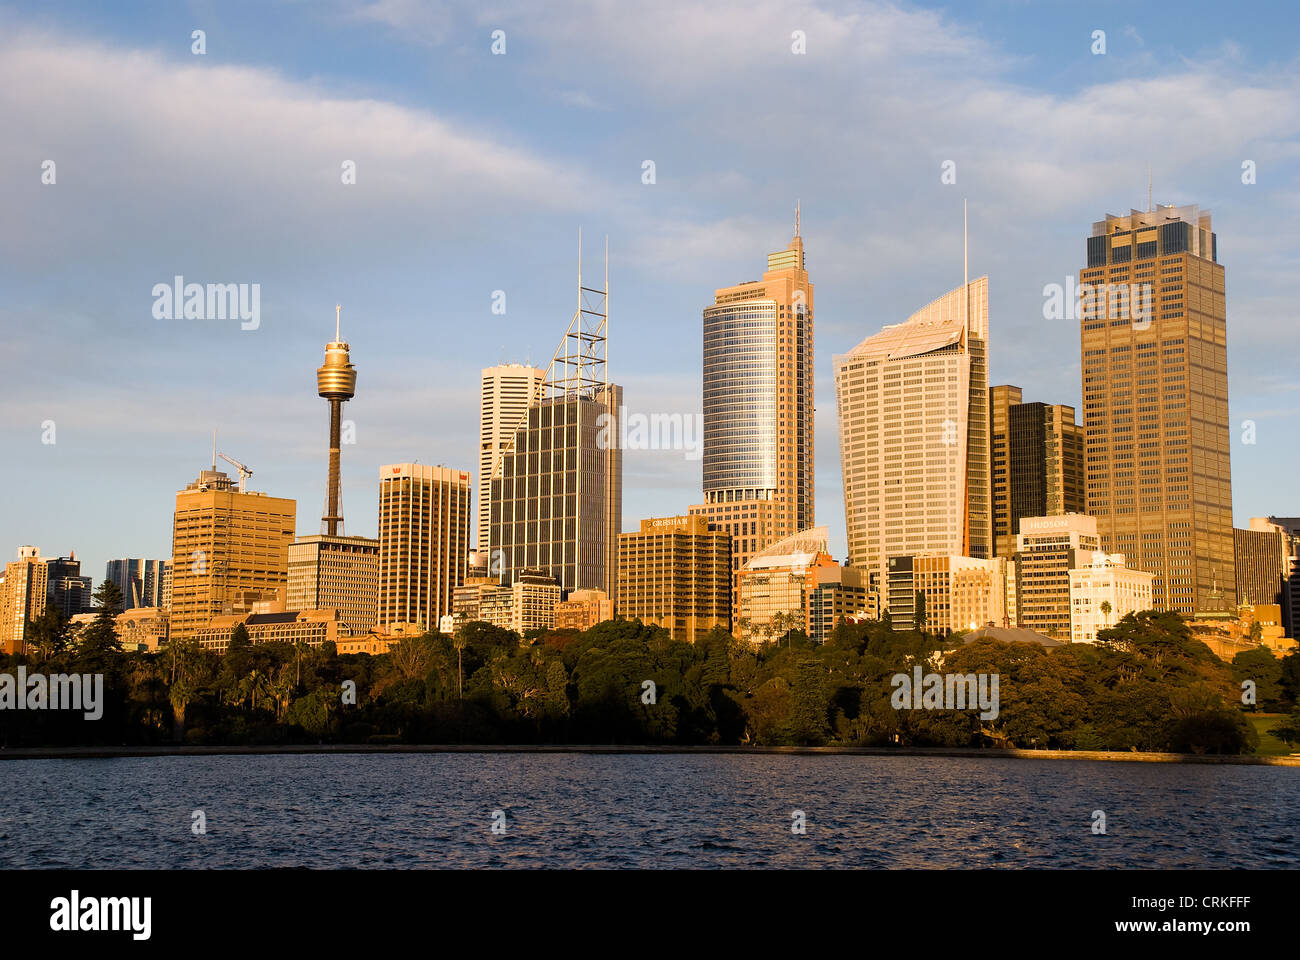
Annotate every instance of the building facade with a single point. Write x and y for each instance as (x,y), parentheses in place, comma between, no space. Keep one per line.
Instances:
(312,627)
(676,573)
(505,394)
(774,588)
(837,593)
(913,408)
(424,529)
(961,593)
(23,594)
(758,406)
(229,551)
(1153,336)
(336,572)
(583,609)
(141,581)
(1047,549)
(1262,562)
(1102,592)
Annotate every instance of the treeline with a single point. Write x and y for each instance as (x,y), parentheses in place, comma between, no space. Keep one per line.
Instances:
(1147,686)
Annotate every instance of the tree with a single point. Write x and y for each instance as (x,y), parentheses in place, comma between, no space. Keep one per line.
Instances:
(99,640)
(1105,611)
(921,616)
(49,633)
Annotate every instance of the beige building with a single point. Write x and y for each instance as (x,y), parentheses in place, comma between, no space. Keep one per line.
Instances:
(913,407)
(758,406)
(312,627)
(337,572)
(676,573)
(424,521)
(1262,560)
(1047,549)
(837,593)
(1037,461)
(23,593)
(583,609)
(961,593)
(775,587)
(229,550)
(1104,591)
(143,628)
(506,391)
(1153,336)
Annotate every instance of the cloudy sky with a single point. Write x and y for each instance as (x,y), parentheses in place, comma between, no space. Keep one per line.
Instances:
(475,171)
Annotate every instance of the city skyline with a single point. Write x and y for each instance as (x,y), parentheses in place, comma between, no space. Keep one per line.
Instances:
(672,242)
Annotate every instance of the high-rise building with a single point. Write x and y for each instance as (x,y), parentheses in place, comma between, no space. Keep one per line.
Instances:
(758,406)
(506,392)
(424,522)
(230,550)
(1102,592)
(675,572)
(1153,336)
(141,581)
(556,499)
(913,406)
(1037,461)
(24,591)
(1262,562)
(336,381)
(66,589)
(775,587)
(1047,549)
(335,572)
(1291,590)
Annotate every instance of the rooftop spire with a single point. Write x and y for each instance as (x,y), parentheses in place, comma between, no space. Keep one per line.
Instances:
(796,218)
(338,309)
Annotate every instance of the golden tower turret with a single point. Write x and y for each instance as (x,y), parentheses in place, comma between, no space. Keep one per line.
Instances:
(336,381)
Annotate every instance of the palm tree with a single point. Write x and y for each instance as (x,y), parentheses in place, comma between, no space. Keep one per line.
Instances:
(459,642)
(1105,611)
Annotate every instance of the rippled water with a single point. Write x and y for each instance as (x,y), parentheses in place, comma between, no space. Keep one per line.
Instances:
(584,810)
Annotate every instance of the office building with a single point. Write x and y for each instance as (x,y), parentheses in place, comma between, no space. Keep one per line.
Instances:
(583,609)
(230,549)
(913,407)
(336,572)
(1104,591)
(675,572)
(24,592)
(837,593)
(1262,562)
(773,589)
(961,593)
(424,524)
(1153,336)
(556,498)
(1037,463)
(1047,549)
(1290,527)
(141,581)
(66,589)
(506,392)
(311,627)
(758,406)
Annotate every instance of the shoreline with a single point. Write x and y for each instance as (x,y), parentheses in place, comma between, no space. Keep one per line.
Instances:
(107,753)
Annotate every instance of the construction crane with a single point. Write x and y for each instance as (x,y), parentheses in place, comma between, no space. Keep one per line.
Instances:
(244,472)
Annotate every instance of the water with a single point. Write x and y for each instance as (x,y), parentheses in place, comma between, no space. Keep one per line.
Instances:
(584,810)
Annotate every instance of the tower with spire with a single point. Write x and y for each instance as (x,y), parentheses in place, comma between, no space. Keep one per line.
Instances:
(336,381)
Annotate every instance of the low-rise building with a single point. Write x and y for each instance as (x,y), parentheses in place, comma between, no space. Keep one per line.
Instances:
(312,627)
(583,609)
(1102,592)
(774,588)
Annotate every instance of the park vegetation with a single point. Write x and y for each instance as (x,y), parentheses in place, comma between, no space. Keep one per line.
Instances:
(1147,685)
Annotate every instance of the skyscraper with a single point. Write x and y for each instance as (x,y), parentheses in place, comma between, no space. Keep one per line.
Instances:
(675,572)
(1153,333)
(758,406)
(424,521)
(1037,458)
(913,407)
(141,581)
(23,595)
(557,488)
(506,392)
(230,549)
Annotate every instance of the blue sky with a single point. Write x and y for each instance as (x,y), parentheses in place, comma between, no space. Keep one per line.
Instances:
(475,172)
